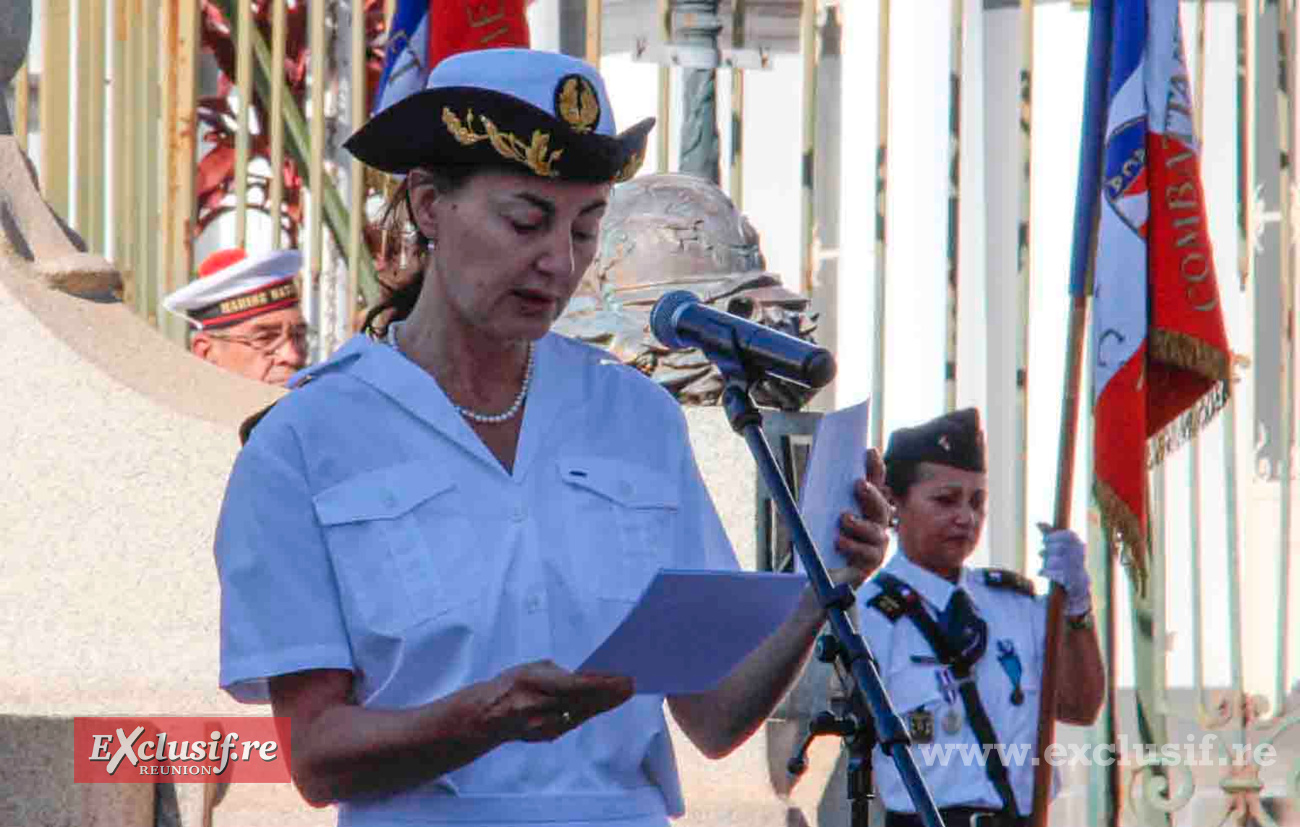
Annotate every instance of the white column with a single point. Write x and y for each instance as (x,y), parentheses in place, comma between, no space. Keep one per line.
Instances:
(544,24)
(1001,102)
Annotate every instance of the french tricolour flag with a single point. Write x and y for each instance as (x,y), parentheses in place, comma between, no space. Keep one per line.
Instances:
(1160,351)
(423,32)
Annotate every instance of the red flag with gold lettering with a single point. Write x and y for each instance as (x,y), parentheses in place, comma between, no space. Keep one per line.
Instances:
(423,32)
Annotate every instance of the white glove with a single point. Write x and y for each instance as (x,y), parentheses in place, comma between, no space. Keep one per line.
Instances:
(1063,563)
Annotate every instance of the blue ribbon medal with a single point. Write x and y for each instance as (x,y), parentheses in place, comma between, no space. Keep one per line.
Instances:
(1010,662)
(950,688)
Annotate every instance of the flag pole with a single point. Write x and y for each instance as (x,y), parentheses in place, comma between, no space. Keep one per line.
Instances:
(956,73)
(1056,596)
(1087,198)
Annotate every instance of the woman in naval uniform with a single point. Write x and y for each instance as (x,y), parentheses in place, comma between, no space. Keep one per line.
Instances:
(413,541)
(961,649)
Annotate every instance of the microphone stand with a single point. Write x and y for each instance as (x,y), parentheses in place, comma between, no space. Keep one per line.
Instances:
(845,647)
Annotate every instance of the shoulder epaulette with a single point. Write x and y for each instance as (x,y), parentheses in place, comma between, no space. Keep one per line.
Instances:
(1007,579)
(246,427)
(302,378)
(895,596)
(888,605)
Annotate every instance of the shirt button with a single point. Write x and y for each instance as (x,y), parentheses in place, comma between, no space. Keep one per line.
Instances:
(518,514)
(534,604)
(625,488)
(389,499)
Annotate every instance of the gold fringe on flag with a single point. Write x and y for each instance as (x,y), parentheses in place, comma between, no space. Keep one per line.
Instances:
(1122,527)
(1188,353)
(1123,530)
(1189,424)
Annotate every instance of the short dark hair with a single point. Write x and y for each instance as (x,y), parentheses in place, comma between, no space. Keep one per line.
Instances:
(901,475)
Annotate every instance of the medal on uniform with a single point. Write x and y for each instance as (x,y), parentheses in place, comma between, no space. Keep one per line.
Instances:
(1010,662)
(952,721)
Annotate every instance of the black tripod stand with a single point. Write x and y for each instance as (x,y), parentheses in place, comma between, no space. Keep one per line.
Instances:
(850,721)
(868,715)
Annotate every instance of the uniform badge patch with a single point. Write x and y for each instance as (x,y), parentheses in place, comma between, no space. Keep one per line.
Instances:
(576,103)
(888,605)
(1009,580)
(920,725)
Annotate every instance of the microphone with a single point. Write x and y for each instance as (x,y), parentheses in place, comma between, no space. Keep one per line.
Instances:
(678,320)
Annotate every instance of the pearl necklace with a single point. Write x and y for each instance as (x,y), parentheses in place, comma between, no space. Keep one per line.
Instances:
(487,419)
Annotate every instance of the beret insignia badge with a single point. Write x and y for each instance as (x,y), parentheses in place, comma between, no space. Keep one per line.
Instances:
(576,102)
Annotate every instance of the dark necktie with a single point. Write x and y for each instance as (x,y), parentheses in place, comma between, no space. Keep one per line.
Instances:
(966,632)
(968,635)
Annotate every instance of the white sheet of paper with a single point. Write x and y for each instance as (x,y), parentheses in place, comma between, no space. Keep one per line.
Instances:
(691,628)
(837,460)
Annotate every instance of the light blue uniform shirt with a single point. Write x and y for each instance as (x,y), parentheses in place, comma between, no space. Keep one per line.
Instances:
(366,527)
(1018,620)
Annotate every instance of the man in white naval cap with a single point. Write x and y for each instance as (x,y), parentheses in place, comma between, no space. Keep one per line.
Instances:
(244,314)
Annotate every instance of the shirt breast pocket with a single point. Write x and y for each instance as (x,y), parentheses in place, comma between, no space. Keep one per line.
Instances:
(627,514)
(914,686)
(402,551)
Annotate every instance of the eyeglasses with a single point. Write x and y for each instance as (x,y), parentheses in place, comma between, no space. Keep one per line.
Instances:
(269,341)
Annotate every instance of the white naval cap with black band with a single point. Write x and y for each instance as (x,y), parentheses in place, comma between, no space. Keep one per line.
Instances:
(233,286)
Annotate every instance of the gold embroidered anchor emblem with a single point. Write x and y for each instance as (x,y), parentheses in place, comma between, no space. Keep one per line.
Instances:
(576,102)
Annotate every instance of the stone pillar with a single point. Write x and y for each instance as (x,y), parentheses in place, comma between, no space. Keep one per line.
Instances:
(544,25)
(573,27)
(15,32)
(826,190)
(696,26)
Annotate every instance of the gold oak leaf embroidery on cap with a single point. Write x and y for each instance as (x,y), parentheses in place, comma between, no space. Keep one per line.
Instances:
(535,155)
(629,169)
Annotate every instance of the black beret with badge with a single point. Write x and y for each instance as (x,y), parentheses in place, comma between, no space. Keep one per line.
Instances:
(521,109)
(954,439)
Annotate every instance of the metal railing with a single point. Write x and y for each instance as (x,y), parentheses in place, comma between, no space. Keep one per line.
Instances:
(127,102)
